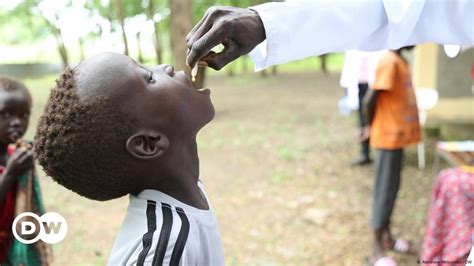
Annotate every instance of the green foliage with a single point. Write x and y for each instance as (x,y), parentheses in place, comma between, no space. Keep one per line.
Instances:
(26,26)
(23,24)
(200,6)
(19,29)
(108,9)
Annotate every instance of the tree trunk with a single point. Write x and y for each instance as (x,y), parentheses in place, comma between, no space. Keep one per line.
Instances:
(230,70)
(121,19)
(156,37)
(244,60)
(274,70)
(199,83)
(140,53)
(59,42)
(82,54)
(324,63)
(62,49)
(181,24)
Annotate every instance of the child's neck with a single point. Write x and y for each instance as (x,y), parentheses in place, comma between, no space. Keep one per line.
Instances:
(180,172)
(399,53)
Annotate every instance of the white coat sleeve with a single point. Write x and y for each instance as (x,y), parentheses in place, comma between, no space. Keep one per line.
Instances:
(302,28)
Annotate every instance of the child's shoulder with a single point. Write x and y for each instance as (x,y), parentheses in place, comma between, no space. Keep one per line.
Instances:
(155,201)
(388,60)
(388,57)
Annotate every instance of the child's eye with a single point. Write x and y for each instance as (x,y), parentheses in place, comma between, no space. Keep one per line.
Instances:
(5,115)
(150,78)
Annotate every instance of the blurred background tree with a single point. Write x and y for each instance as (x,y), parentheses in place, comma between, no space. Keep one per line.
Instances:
(152,31)
(38,21)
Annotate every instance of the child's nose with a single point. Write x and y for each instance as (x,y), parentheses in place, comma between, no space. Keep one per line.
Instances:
(167,68)
(15,121)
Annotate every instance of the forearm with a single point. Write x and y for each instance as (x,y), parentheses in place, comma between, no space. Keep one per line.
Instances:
(315,30)
(366,116)
(368,107)
(369,113)
(336,25)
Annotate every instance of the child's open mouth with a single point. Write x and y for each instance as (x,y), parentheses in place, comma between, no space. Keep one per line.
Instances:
(206,91)
(14,135)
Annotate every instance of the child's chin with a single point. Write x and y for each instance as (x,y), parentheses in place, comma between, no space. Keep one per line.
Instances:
(14,137)
(211,112)
(207,119)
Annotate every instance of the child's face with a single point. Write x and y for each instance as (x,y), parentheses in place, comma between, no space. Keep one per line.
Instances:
(14,115)
(158,97)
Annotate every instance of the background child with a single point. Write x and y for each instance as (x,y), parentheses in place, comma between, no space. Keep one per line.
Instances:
(112,127)
(19,189)
(357,74)
(393,115)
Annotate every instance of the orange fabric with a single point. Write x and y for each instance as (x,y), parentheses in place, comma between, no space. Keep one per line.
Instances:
(395,124)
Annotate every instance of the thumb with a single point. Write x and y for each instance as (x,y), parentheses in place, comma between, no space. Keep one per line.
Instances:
(218,60)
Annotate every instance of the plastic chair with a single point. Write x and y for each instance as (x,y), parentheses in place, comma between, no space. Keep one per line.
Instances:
(426,99)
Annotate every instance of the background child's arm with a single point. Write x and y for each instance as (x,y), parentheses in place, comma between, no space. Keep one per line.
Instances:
(368,106)
(368,113)
(20,162)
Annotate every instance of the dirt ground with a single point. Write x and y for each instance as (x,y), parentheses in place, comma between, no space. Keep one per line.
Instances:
(275,166)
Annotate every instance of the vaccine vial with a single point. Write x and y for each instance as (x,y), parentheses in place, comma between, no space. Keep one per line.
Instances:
(194,72)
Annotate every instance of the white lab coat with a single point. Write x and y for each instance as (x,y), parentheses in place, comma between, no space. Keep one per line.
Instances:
(302,28)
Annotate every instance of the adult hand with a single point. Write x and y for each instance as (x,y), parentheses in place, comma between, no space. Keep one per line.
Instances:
(20,162)
(239,30)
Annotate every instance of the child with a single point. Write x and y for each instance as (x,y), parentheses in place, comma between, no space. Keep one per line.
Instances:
(391,109)
(19,189)
(358,71)
(112,127)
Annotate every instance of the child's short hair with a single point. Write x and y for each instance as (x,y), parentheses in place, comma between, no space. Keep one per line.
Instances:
(82,145)
(11,84)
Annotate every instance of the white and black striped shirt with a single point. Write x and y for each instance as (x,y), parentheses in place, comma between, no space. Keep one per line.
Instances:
(160,230)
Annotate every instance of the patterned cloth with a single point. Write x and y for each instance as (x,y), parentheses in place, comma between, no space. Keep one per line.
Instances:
(24,196)
(451,217)
(7,212)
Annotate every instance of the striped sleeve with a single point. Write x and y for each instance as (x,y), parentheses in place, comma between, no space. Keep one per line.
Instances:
(166,236)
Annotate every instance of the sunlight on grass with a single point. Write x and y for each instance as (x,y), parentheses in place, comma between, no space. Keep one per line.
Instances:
(285,153)
(279,177)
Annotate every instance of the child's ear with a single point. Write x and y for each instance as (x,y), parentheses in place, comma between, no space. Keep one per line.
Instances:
(146,145)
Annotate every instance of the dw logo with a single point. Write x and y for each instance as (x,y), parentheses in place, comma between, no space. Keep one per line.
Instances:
(28,228)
